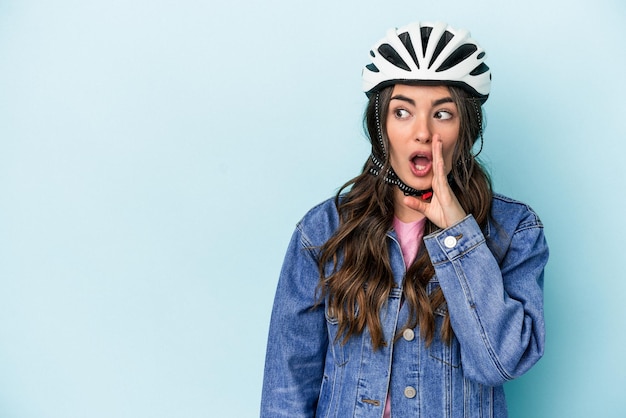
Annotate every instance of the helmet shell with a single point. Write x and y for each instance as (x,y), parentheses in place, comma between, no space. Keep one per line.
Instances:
(428,53)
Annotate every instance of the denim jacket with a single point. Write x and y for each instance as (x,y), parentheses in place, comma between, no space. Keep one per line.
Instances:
(492,280)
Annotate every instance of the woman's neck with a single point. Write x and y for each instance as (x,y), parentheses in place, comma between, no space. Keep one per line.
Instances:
(403,212)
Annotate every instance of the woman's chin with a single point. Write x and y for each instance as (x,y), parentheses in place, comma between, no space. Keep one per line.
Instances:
(419,184)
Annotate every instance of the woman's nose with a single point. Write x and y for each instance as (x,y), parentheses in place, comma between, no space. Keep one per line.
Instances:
(422,132)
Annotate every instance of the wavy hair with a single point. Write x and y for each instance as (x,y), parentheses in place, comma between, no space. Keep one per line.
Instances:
(360,278)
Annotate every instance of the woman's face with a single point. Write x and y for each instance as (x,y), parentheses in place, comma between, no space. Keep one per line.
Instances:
(416,114)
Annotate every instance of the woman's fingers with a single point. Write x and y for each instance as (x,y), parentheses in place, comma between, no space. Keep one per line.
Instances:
(439,168)
(416,204)
(449,208)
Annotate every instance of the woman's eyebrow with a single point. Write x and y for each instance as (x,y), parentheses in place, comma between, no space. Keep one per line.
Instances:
(403,98)
(442,101)
(412,102)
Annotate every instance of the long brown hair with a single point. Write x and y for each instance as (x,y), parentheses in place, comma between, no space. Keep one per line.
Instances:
(360,280)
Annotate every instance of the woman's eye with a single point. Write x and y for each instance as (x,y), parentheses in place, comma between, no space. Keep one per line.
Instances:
(443,115)
(401,113)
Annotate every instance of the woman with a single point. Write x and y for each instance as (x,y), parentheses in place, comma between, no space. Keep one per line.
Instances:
(418,292)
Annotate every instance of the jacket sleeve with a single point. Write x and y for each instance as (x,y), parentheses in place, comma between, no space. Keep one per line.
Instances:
(495,306)
(297,339)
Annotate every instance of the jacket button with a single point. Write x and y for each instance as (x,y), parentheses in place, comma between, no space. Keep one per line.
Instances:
(410,392)
(449,242)
(408,334)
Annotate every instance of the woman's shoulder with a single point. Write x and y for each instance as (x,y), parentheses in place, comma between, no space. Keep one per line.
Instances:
(326,209)
(320,222)
(506,210)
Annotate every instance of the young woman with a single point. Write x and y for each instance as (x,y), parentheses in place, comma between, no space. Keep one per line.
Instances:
(416,292)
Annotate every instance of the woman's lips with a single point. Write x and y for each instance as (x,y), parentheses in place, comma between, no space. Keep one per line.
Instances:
(421,164)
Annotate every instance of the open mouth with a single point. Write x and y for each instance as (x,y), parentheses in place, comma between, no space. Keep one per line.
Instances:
(421,164)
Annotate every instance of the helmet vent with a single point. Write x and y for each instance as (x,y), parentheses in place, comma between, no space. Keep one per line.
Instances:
(408,44)
(425,32)
(443,41)
(481,69)
(372,68)
(460,54)
(390,54)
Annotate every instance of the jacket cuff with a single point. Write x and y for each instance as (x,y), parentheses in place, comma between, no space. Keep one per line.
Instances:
(454,241)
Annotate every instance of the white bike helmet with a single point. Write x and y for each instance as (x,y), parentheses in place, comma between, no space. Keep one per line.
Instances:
(428,53)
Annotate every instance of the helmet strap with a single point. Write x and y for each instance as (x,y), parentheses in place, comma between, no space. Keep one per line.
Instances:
(379,129)
(392,178)
(480,126)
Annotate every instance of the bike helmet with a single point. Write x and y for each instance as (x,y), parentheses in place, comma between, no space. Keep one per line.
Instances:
(428,53)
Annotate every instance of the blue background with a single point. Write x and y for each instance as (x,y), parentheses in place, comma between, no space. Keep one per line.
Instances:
(155,156)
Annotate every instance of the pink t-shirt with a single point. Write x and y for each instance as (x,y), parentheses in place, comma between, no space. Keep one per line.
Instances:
(410,236)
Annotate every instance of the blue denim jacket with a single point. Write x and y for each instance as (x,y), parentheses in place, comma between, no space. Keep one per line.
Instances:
(493,283)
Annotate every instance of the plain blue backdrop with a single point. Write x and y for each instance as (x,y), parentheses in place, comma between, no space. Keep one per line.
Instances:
(156,155)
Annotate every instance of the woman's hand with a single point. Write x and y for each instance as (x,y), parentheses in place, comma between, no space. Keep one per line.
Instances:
(444,209)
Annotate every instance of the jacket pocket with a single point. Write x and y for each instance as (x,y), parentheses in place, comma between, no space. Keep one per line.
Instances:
(439,350)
